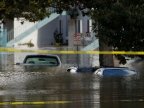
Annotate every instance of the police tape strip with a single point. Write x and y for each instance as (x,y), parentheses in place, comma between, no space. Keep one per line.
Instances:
(34,103)
(3,49)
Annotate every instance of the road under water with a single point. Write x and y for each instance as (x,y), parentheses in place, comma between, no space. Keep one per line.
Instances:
(48,89)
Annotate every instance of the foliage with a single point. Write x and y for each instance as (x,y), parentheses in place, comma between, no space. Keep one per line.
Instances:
(121,24)
(32,10)
(29,44)
(58,38)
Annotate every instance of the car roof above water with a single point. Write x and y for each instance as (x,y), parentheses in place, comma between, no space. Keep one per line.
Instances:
(115,71)
(41,56)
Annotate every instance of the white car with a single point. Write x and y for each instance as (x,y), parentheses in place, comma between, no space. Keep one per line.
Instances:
(38,62)
(49,60)
(116,72)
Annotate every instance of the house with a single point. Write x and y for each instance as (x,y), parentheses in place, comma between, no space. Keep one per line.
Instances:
(51,32)
(47,32)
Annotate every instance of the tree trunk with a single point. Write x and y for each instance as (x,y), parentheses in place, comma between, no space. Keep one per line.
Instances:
(105,59)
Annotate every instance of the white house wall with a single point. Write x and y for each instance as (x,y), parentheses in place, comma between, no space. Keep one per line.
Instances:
(32,38)
(46,33)
(20,28)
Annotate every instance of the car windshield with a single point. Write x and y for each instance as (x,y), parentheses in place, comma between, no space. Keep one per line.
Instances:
(46,60)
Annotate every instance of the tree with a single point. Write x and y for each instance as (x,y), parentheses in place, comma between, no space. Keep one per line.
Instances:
(121,26)
(32,10)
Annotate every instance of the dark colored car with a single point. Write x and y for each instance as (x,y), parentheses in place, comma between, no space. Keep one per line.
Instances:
(82,69)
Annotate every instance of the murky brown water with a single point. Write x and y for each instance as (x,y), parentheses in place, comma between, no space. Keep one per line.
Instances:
(21,89)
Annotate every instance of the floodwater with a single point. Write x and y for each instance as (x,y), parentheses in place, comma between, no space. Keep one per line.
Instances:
(26,89)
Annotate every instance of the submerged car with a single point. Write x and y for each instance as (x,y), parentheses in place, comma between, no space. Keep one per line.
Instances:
(49,60)
(115,72)
(40,62)
(82,69)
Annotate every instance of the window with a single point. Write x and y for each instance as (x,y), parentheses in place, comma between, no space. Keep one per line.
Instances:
(78,26)
(60,26)
(89,26)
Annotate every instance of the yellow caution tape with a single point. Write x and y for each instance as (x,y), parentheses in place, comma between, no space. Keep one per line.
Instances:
(35,103)
(3,49)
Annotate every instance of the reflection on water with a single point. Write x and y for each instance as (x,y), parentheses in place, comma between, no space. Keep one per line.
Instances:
(120,93)
(80,90)
(44,86)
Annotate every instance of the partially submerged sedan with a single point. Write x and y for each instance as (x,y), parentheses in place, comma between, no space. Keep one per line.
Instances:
(115,72)
(41,62)
(49,60)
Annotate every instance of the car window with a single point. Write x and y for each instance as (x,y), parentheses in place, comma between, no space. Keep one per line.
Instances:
(53,61)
